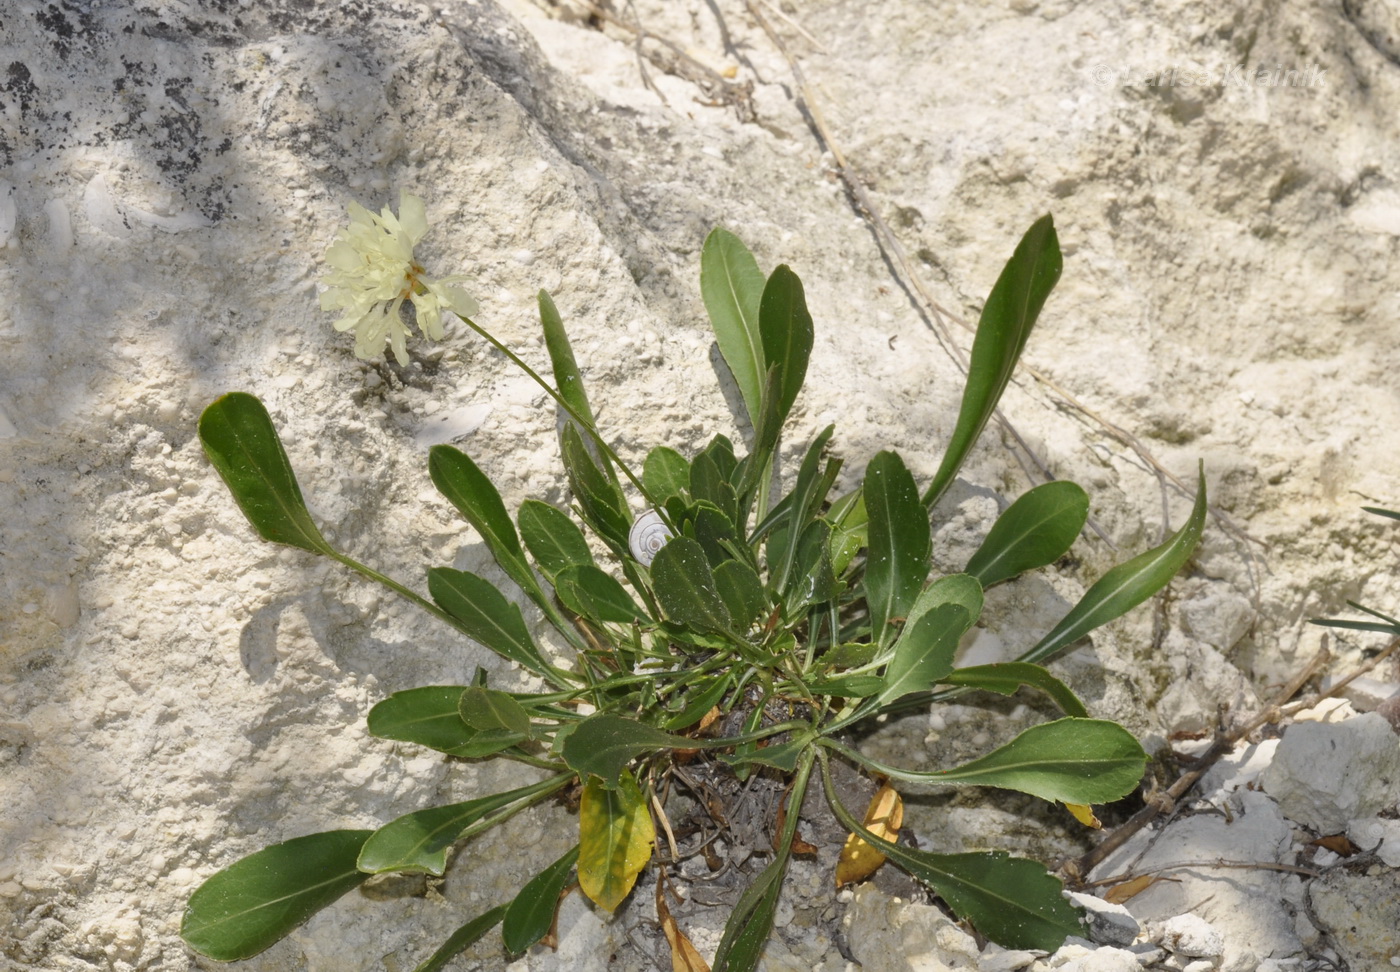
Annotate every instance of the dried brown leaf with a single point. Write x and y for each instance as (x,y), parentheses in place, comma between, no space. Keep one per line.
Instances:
(684,956)
(1128,889)
(883,819)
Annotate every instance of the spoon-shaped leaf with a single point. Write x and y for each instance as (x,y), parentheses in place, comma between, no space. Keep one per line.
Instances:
(1034,531)
(486,709)
(1011,900)
(1006,322)
(461,940)
(242,444)
(552,538)
(603,506)
(593,593)
(486,615)
(924,653)
(255,902)
(615,840)
(567,377)
(427,716)
(459,479)
(1127,585)
(786,328)
(685,586)
(954,589)
(741,591)
(665,473)
(1069,760)
(531,914)
(731,285)
(602,745)
(900,547)
(419,841)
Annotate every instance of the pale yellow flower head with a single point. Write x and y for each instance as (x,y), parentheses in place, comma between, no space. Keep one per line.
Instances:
(373,272)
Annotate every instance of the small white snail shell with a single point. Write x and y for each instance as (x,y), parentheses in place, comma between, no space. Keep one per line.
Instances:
(648,535)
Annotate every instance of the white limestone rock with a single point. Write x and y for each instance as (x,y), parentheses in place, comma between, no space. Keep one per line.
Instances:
(1242,904)
(1108,923)
(1188,935)
(1326,774)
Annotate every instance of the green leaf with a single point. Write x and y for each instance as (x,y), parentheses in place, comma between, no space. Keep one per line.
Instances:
(604,744)
(1380,512)
(766,432)
(1034,531)
(489,742)
(486,709)
(786,329)
(960,589)
(486,615)
(1359,626)
(850,655)
(715,532)
(802,505)
(1007,318)
(615,840)
(419,841)
(781,756)
(924,653)
(567,377)
(684,585)
(531,914)
(900,545)
(601,501)
(698,702)
(741,591)
(1012,901)
(1127,585)
(1069,760)
(427,716)
(552,538)
(710,484)
(850,529)
(595,594)
(811,580)
(241,443)
(462,939)
(732,286)
(255,902)
(848,686)
(1005,678)
(665,473)
(475,497)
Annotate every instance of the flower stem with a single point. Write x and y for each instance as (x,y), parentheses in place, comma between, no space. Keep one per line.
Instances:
(573,413)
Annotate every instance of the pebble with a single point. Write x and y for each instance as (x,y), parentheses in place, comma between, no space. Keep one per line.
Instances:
(1189,935)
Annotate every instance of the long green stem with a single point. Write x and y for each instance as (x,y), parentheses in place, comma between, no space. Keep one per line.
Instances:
(583,422)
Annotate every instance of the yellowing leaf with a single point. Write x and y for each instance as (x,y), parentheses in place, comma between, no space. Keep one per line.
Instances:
(1084,814)
(684,956)
(615,839)
(884,818)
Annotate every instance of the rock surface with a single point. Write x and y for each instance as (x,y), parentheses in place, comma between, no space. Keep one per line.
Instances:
(174,695)
(1325,775)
